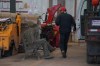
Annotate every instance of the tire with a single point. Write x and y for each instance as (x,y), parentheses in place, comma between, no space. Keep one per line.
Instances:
(14,51)
(98,60)
(90,59)
(11,50)
(6,53)
(0,53)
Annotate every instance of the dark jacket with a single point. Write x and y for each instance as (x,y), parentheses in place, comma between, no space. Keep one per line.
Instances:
(65,22)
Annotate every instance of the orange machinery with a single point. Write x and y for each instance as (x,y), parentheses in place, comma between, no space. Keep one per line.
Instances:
(9,35)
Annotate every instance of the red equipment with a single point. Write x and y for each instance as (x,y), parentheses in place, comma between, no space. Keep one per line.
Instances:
(51,12)
(95,2)
(54,41)
(63,9)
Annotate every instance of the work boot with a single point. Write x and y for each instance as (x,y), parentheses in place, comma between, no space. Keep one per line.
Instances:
(48,57)
(63,54)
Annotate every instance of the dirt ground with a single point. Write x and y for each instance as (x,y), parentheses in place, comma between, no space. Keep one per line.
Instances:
(76,57)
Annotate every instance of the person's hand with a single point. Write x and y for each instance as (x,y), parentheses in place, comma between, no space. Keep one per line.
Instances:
(74,30)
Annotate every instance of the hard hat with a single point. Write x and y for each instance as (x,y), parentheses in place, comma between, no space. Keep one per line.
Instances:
(63,9)
(95,2)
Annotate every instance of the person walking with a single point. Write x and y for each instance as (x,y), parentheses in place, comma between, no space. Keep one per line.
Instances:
(65,22)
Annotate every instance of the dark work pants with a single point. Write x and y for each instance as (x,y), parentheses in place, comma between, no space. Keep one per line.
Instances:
(64,37)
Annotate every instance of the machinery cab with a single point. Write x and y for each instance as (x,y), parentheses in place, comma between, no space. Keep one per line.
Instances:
(4,23)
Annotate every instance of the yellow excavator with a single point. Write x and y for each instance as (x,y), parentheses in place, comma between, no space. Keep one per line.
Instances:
(9,36)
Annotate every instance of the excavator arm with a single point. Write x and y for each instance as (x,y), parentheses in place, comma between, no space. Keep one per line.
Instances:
(51,31)
(50,13)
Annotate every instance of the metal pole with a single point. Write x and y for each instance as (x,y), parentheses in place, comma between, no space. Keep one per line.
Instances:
(13,6)
(75,8)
